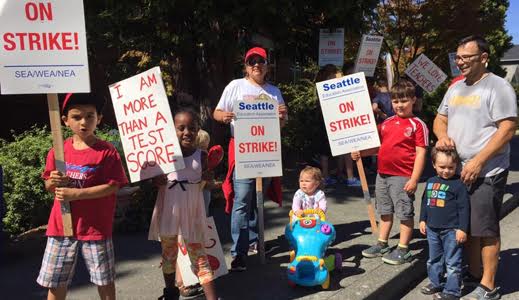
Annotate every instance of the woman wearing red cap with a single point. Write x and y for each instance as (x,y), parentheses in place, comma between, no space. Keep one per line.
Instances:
(243,191)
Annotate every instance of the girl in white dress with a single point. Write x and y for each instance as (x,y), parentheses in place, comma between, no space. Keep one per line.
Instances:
(179,209)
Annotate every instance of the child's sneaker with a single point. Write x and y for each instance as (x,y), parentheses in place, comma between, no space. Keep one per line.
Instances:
(430,289)
(397,257)
(352,182)
(376,250)
(190,292)
(481,294)
(330,180)
(238,264)
(444,296)
(171,293)
(253,248)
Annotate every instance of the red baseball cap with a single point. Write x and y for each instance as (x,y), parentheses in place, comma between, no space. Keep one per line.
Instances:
(256,51)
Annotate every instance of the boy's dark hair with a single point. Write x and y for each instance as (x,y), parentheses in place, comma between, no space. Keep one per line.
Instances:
(450,153)
(403,88)
(189,110)
(71,99)
(480,41)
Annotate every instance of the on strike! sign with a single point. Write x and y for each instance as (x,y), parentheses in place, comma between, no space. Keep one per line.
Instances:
(367,57)
(347,114)
(425,73)
(257,141)
(146,126)
(43,47)
(331,47)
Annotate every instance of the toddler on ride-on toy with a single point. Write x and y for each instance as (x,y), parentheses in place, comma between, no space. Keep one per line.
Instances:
(309,235)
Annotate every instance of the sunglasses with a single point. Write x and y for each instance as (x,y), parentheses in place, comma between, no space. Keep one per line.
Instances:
(260,61)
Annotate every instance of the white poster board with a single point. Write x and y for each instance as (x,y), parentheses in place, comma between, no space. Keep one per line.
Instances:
(146,126)
(43,47)
(257,141)
(367,57)
(390,73)
(331,47)
(455,71)
(214,252)
(425,73)
(347,113)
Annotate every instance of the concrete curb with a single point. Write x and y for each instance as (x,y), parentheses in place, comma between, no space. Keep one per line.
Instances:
(399,283)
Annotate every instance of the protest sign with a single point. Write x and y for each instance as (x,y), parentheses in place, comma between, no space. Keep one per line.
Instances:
(214,252)
(43,47)
(146,126)
(331,47)
(257,141)
(390,72)
(425,73)
(347,113)
(367,57)
(455,71)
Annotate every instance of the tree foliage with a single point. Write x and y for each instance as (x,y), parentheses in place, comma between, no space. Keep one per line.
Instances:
(412,27)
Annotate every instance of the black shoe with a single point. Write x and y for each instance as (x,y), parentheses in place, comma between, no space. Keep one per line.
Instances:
(171,293)
(238,264)
(190,292)
(430,289)
(443,296)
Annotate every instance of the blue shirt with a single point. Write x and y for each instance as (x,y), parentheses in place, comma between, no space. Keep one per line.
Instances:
(445,204)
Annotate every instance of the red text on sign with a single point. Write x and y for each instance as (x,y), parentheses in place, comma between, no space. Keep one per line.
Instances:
(137,105)
(41,11)
(150,80)
(257,147)
(257,130)
(30,41)
(350,123)
(346,107)
(145,158)
(143,140)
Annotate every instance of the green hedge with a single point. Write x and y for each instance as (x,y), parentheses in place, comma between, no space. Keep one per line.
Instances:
(23,160)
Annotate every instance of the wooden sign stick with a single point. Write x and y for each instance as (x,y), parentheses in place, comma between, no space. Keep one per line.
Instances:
(367,197)
(59,156)
(261,225)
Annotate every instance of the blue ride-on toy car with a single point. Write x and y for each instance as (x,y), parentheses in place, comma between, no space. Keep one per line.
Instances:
(309,236)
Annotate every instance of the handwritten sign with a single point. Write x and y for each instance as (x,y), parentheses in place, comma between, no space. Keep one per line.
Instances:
(367,57)
(214,252)
(43,47)
(146,126)
(257,140)
(347,114)
(455,71)
(331,47)
(425,73)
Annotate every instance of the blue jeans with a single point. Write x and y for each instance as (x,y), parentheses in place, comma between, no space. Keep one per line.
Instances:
(244,216)
(444,255)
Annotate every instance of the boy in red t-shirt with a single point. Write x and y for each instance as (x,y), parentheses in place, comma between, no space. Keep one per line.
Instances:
(94,173)
(401,160)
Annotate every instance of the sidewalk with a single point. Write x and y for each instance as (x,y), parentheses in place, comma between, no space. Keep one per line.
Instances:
(139,276)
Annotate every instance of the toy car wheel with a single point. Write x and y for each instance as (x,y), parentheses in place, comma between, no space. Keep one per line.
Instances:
(326,284)
(338,261)
(292,255)
(291,284)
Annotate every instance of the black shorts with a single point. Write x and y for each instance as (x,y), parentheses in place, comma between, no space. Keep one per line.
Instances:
(486,198)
